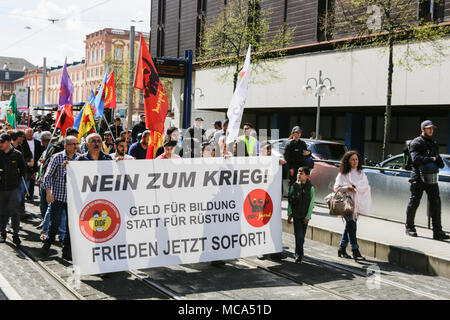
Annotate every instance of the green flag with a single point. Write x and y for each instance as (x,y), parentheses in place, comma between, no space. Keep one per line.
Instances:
(11,111)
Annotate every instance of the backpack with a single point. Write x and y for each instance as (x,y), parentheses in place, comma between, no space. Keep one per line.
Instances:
(407,156)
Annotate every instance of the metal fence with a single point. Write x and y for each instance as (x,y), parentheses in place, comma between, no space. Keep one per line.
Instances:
(390,193)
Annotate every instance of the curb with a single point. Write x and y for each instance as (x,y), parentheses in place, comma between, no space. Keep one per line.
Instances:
(398,256)
(8,290)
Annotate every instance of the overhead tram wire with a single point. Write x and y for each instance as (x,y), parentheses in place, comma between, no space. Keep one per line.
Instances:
(45,28)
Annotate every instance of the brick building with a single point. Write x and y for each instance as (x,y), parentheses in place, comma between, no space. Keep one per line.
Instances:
(101,47)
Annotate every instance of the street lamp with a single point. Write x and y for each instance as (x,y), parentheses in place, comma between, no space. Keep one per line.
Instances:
(319,90)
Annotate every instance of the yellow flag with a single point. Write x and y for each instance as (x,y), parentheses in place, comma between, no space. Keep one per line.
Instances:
(87,121)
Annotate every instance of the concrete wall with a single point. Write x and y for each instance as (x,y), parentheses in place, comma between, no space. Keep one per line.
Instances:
(360,78)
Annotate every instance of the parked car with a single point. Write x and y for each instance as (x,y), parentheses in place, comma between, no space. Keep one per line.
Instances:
(324,173)
(320,149)
(398,162)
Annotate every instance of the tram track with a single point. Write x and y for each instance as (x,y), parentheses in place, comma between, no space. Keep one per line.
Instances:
(58,282)
(352,270)
(145,279)
(53,278)
(293,279)
(337,267)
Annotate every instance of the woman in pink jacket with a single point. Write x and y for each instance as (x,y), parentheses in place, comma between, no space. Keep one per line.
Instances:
(353,180)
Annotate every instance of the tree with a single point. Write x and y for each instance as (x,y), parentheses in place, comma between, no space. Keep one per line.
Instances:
(225,38)
(385,23)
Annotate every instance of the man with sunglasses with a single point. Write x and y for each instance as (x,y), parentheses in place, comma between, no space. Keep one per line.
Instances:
(54,183)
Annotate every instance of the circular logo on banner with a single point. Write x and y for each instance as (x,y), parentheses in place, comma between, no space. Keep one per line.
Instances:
(258,208)
(99,221)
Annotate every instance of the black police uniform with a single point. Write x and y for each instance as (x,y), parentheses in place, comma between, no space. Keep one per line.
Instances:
(13,166)
(422,150)
(293,154)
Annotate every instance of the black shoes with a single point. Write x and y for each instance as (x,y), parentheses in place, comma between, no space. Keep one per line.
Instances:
(342,253)
(16,241)
(357,255)
(411,232)
(45,250)
(218,263)
(67,256)
(441,235)
(298,260)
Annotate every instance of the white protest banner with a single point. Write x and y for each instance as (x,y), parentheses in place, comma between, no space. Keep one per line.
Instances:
(150,213)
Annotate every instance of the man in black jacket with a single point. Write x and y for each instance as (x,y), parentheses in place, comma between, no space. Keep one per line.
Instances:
(295,153)
(426,162)
(116,128)
(139,128)
(12,166)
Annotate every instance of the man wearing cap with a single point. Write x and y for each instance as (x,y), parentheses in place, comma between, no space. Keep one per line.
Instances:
(169,148)
(194,138)
(251,144)
(12,169)
(426,162)
(138,128)
(295,153)
(116,128)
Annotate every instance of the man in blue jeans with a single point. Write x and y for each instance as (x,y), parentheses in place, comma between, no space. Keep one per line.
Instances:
(54,183)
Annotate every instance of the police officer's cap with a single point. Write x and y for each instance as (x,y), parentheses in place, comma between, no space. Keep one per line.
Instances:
(199,119)
(427,124)
(295,129)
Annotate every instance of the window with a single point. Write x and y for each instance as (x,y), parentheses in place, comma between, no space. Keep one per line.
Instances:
(396,163)
(118,52)
(103,54)
(324,20)
(160,33)
(7,76)
(201,17)
(431,11)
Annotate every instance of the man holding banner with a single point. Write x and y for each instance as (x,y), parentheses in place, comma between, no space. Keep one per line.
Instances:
(54,183)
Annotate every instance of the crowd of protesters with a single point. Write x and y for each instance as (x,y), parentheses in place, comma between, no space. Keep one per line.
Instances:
(38,157)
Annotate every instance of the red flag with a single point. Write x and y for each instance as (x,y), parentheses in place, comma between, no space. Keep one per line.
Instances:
(109,94)
(64,118)
(155,100)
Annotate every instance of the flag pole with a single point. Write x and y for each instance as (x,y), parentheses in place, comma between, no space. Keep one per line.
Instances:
(108,128)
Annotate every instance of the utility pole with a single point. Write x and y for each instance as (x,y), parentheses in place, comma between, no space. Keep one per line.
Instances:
(44,75)
(130,84)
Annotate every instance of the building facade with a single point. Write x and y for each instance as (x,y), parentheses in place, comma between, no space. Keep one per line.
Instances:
(101,47)
(355,115)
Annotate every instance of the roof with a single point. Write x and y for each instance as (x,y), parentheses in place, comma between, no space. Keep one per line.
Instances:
(13,75)
(16,64)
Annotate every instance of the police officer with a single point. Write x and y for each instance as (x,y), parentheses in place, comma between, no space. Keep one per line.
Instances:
(426,162)
(12,169)
(296,153)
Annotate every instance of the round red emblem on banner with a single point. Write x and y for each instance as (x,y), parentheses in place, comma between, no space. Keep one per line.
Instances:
(99,221)
(258,208)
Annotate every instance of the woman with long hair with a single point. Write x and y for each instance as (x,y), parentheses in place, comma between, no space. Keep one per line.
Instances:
(353,180)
